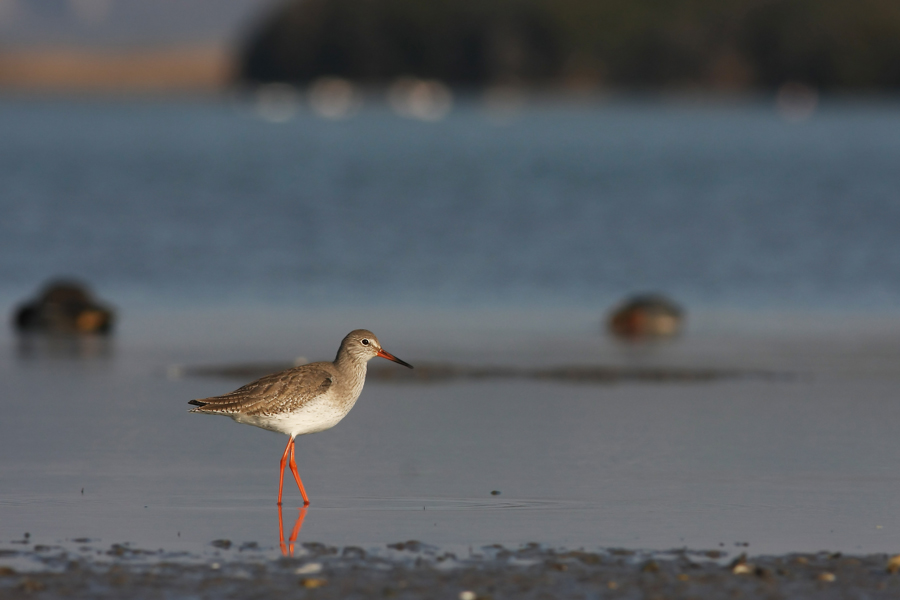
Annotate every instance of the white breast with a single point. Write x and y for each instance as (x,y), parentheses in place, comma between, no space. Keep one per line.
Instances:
(318,415)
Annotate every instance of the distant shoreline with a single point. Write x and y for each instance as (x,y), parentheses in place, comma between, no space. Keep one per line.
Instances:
(215,69)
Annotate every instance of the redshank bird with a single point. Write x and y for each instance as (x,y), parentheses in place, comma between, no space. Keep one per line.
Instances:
(306,399)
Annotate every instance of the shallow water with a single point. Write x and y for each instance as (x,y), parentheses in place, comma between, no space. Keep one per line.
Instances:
(799,463)
(222,239)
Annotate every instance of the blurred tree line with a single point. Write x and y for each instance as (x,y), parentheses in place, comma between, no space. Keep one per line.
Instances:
(636,44)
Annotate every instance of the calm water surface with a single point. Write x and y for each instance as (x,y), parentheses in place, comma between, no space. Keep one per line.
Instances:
(716,205)
(800,463)
(222,238)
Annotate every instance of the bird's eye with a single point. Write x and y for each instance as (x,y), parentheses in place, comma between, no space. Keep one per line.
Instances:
(365,342)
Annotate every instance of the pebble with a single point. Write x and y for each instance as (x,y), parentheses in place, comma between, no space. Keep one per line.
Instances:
(893,565)
(308,569)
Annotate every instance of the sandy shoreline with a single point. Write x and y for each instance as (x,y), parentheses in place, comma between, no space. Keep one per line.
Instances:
(413,570)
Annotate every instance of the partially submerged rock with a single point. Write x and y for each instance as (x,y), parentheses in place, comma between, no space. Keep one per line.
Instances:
(646,316)
(64,307)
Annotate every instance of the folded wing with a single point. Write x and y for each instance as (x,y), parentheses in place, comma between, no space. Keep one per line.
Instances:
(273,394)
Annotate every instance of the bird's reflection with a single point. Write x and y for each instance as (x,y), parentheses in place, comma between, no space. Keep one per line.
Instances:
(287,549)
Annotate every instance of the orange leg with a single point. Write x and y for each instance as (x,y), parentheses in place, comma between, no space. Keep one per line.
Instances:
(297,479)
(284,458)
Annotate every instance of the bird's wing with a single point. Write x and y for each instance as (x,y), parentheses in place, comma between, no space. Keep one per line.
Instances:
(277,393)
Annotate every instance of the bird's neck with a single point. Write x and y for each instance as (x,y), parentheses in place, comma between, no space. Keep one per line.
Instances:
(354,375)
(347,363)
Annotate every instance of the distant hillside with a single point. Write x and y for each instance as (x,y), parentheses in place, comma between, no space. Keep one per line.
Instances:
(638,44)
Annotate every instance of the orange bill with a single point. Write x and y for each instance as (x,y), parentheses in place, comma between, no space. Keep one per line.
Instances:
(390,356)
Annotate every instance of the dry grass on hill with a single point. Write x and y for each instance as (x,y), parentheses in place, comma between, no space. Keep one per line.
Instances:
(190,68)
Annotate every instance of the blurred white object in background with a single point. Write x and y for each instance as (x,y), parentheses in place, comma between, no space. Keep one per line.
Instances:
(796,101)
(334,98)
(503,103)
(277,102)
(423,99)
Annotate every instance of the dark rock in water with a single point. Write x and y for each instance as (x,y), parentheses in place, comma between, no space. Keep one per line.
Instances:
(64,307)
(646,316)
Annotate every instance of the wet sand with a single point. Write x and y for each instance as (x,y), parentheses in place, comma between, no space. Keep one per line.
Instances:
(415,570)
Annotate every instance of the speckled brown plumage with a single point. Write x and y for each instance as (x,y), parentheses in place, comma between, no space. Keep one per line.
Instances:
(273,394)
(305,399)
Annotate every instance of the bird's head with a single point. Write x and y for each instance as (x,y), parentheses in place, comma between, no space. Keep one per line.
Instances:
(362,345)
